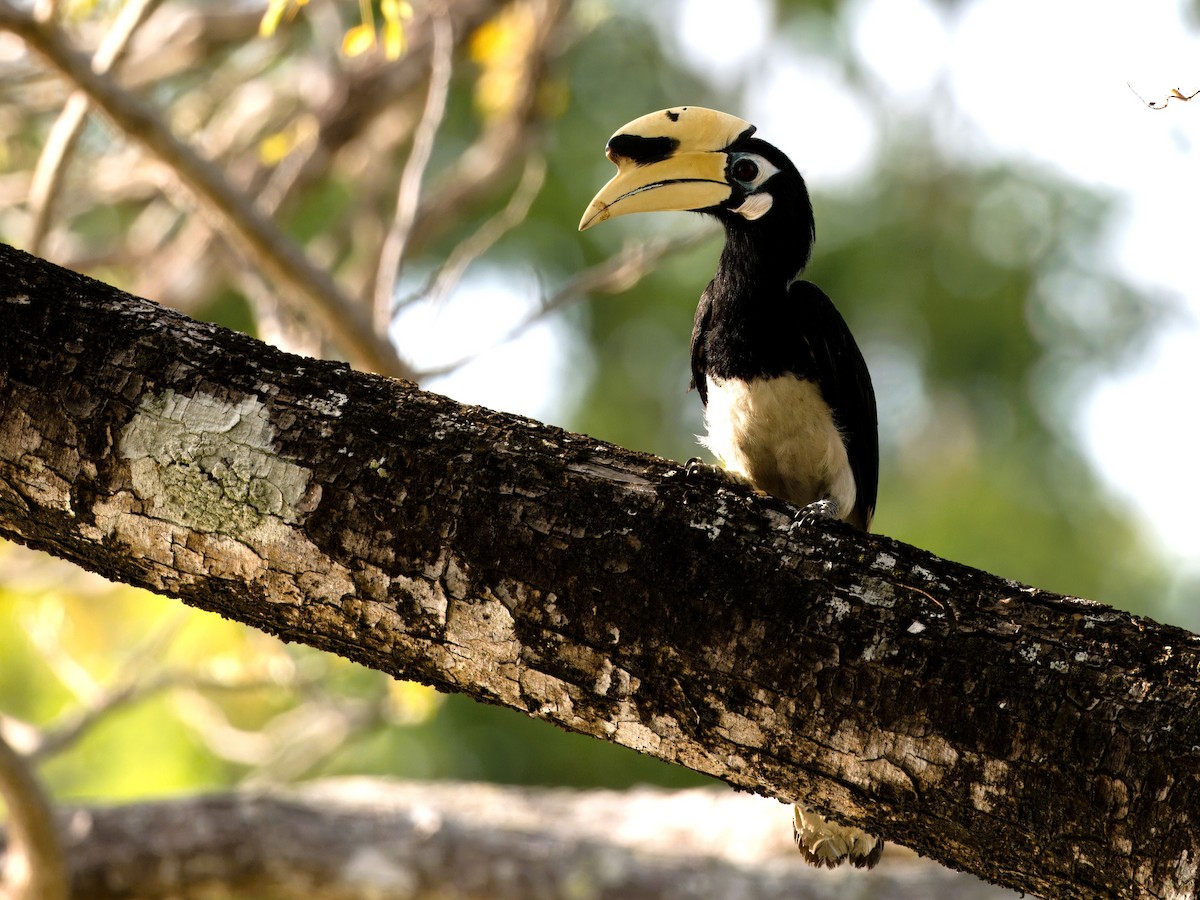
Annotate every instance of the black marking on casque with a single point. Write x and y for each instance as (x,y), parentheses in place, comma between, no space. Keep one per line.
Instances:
(641,150)
(745,134)
(672,115)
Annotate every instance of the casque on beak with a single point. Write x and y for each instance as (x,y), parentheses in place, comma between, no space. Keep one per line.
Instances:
(672,159)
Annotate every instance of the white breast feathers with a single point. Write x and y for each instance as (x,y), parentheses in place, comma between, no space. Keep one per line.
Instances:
(779,433)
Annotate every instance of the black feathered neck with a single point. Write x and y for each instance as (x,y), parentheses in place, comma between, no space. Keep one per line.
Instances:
(765,255)
(747,321)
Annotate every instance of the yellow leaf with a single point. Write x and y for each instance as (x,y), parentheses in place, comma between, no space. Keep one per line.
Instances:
(275,147)
(394,42)
(274,15)
(412,703)
(271,18)
(358,40)
(486,40)
(395,12)
(79,9)
(500,47)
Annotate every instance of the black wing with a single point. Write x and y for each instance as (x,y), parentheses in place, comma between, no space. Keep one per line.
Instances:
(699,353)
(838,368)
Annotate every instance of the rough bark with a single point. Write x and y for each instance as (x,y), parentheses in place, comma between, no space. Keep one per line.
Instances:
(1047,743)
(404,841)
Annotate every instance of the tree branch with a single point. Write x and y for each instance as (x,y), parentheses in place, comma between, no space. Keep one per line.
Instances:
(64,134)
(34,867)
(1043,742)
(445,279)
(273,251)
(408,196)
(506,139)
(350,838)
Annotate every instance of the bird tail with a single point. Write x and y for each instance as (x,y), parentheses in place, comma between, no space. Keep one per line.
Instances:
(825,843)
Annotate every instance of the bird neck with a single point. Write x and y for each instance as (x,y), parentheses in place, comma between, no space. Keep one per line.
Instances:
(758,263)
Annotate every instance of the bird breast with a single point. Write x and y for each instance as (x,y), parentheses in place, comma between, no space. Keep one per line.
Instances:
(779,433)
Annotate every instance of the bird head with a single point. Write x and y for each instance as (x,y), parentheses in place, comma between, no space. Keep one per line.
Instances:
(692,158)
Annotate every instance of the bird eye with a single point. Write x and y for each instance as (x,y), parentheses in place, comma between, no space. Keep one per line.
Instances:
(744,170)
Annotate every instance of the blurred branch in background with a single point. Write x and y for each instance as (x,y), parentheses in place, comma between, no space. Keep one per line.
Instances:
(48,176)
(350,838)
(139,675)
(270,146)
(448,275)
(620,272)
(514,52)
(391,254)
(34,865)
(317,723)
(272,251)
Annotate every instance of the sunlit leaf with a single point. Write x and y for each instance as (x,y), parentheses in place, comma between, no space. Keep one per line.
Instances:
(275,12)
(274,148)
(395,14)
(500,47)
(79,9)
(411,703)
(270,19)
(398,11)
(358,40)
(394,40)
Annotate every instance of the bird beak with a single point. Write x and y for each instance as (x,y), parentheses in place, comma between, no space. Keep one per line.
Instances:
(672,159)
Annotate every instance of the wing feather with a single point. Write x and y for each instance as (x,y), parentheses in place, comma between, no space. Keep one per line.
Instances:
(837,365)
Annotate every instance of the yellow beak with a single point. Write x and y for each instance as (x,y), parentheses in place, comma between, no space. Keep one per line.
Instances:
(682,166)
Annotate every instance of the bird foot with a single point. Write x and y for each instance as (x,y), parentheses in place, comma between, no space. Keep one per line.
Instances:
(817,511)
(696,469)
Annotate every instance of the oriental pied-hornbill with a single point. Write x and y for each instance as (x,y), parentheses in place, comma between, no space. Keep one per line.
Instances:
(788,400)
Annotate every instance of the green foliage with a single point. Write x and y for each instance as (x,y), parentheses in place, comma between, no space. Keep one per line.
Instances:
(469,740)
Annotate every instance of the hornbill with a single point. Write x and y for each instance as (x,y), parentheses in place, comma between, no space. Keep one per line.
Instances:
(788,400)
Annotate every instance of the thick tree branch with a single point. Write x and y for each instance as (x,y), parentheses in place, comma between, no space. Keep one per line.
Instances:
(1044,742)
(350,838)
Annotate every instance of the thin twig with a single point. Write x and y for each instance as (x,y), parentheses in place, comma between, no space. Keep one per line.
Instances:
(619,272)
(408,198)
(292,743)
(364,93)
(272,251)
(44,630)
(76,724)
(134,681)
(450,273)
(60,143)
(505,140)
(1173,94)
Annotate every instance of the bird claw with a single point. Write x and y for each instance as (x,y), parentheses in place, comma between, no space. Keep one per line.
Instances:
(696,469)
(817,511)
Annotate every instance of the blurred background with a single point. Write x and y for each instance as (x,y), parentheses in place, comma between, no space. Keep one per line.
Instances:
(1006,197)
